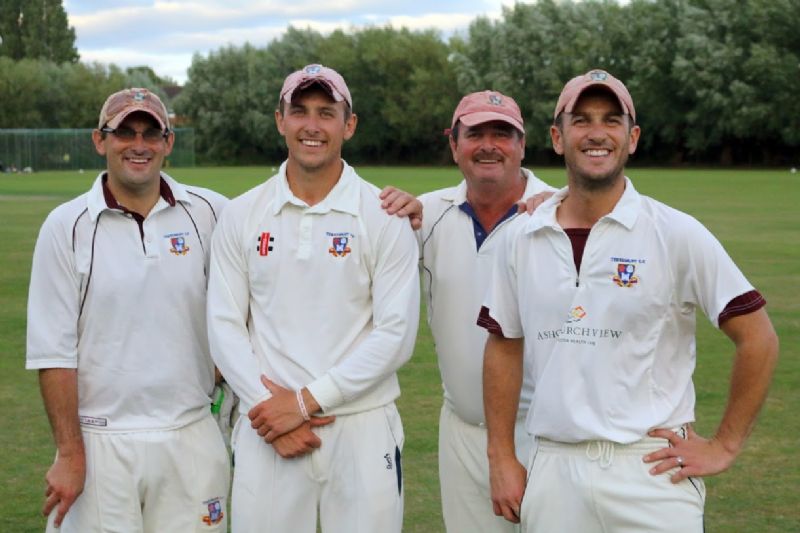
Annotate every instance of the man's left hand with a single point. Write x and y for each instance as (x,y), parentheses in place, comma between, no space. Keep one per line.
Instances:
(277,415)
(694,455)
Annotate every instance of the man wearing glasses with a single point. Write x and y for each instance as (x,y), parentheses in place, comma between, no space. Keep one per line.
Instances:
(117,331)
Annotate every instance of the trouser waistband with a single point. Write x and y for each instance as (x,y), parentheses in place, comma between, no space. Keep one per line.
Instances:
(604,451)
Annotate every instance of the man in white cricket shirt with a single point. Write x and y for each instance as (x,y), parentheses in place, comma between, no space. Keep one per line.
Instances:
(461,231)
(117,331)
(313,306)
(599,289)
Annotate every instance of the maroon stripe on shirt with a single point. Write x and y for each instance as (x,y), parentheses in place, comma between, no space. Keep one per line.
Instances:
(741,305)
(486,321)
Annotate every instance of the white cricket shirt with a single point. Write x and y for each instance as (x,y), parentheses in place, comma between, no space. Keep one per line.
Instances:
(324,297)
(455,275)
(612,347)
(126,310)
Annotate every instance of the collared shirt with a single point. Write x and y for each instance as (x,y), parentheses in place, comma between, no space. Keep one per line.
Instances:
(124,302)
(323,296)
(455,272)
(479,231)
(611,346)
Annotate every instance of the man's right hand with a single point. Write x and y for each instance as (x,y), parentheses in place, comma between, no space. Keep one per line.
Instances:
(65,481)
(301,440)
(507,478)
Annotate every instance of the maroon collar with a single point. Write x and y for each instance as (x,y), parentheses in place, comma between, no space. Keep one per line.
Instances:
(164,190)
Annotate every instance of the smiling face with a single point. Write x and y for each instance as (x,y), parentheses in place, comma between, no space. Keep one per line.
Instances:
(489,155)
(134,166)
(595,140)
(315,128)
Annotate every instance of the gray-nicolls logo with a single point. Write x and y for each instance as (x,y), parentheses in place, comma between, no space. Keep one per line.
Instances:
(388,461)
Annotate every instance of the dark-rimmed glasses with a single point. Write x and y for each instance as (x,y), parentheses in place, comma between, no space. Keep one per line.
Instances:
(150,135)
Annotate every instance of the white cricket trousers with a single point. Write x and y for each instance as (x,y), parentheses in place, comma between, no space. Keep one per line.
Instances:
(464,475)
(152,482)
(353,483)
(603,487)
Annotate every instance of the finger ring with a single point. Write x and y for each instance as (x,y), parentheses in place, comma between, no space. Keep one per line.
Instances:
(679,459)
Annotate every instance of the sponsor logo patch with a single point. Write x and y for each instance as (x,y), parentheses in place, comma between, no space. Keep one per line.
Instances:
(265,244)
(576,314)
(215,513)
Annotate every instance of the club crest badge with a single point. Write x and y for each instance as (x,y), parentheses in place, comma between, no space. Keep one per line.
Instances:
(178,246)
(495,99)
(215,513)
(339,247)
(139,96)
(625,276)
(313,69)
(598,75)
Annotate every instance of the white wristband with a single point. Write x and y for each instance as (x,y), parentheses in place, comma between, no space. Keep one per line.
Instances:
(302,404)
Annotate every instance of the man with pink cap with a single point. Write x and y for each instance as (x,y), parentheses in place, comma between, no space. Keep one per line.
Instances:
(461,231)
(117,331)
(594,298)
(313,306)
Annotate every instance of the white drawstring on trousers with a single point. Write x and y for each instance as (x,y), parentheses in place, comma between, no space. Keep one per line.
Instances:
(605,452)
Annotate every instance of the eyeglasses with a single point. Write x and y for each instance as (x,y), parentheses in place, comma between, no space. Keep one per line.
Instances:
(150,135)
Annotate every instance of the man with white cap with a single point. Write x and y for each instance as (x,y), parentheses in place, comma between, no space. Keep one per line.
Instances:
(461,231)
(599,289)
(313,306)
(117,331)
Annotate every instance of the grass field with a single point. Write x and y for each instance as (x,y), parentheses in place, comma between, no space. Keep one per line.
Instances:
(754,213)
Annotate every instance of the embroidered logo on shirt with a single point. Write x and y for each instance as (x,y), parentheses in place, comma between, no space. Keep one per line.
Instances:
(178,246)
(265,241)
(339,242)
(576,314)
(339,248)
(625,275)
(177,243)
(215,513)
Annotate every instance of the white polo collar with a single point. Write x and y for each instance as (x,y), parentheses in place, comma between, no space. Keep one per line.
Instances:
(458,194)
(96,201)
(343,197)
(625,212)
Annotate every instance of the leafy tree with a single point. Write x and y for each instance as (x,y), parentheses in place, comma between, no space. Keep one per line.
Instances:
(36,29)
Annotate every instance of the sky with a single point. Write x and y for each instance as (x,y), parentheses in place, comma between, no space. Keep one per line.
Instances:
(165,34)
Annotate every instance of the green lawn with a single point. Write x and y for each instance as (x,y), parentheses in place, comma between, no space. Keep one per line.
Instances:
(754,214)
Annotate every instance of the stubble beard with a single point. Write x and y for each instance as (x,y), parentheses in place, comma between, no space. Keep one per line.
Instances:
(594,182)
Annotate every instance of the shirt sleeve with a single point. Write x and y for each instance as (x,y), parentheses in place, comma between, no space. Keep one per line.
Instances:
(395,318)
(228,307)
(500,311)
(707,276)
(53,299)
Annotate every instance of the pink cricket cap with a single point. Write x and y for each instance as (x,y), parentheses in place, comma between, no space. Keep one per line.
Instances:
(327,78)
(594,78)
(486,106)
(122,103)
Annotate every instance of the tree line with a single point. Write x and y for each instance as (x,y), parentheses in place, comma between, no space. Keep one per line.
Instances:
(714,81)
